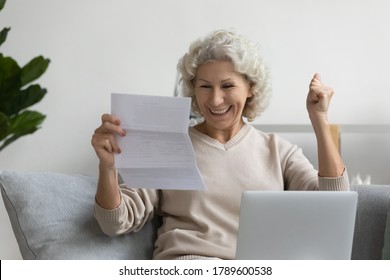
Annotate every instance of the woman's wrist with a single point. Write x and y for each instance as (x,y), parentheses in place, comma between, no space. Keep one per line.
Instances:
(108,193)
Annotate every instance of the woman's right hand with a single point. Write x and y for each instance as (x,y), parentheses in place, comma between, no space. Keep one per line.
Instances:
(103,140)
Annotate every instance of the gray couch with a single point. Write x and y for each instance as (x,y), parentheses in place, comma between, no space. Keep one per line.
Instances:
(372,220)
(51,216)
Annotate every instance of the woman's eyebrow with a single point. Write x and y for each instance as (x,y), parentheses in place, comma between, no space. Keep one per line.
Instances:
(223,81)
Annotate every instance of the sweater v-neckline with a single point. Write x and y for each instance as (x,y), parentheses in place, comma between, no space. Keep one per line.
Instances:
(223,146)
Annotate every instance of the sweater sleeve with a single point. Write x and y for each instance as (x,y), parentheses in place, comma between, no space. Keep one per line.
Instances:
(136,208)
(299,174)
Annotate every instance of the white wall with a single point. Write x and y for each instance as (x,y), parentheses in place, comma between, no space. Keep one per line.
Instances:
(97,47)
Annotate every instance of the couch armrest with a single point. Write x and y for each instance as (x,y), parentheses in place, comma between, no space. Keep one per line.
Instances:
(371,216)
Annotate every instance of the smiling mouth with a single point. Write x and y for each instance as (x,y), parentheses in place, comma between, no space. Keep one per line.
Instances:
(220,112)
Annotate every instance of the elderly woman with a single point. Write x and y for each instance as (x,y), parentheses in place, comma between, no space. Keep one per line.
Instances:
(227,81)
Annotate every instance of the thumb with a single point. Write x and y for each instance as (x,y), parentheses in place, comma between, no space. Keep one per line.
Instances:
(317,77)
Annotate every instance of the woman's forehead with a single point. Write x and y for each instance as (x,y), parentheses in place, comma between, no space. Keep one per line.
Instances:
(220,70)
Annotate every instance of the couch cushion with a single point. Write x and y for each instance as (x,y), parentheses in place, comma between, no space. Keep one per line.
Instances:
(52,218)
(371,216)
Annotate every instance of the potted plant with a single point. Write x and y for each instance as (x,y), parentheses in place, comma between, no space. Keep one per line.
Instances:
(17,93)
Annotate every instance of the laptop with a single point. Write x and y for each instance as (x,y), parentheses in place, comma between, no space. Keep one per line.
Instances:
(296,225)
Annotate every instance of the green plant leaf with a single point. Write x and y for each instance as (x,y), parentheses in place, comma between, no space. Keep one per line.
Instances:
(34,69)
(10,76)
(25,123)
(3,34)
(4,126)
(2,3)
(22,99)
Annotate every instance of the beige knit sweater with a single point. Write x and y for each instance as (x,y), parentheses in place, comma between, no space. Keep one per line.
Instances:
(205,223)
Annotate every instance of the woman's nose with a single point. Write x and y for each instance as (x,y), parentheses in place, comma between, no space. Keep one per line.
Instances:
(216,97)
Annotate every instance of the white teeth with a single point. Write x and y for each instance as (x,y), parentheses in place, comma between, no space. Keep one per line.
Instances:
(219,112)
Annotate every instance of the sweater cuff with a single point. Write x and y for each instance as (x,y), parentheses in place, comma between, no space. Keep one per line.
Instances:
(111,216)
(334,183)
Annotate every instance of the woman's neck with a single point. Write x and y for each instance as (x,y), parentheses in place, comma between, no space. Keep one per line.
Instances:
(221,135)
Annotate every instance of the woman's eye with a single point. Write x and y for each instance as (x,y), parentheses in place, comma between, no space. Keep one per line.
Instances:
(205,86)
(227,86)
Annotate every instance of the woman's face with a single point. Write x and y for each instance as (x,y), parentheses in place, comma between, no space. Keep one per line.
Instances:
(221,94)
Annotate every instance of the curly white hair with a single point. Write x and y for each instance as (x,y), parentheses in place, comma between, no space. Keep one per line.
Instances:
(227,45)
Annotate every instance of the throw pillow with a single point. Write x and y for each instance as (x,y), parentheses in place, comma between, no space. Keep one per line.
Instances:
(52,218)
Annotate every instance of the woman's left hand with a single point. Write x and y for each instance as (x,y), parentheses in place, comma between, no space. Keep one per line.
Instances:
(330,163)
(318,99)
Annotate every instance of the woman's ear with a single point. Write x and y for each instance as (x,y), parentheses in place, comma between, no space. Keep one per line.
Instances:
(193,81)
(250,93)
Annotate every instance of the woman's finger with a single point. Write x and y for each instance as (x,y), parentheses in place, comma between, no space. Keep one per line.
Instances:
(110,118)
(109,127)
(105,141)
